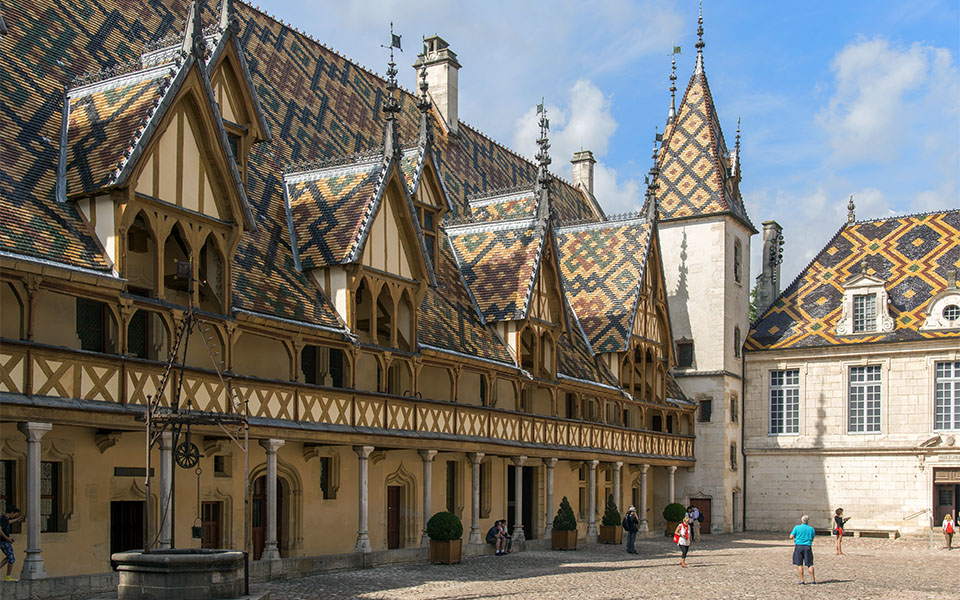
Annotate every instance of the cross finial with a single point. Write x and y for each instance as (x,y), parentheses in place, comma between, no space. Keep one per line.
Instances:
(851,216)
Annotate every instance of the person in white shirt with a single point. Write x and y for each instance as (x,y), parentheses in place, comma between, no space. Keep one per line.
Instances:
(683,536)
(949,528)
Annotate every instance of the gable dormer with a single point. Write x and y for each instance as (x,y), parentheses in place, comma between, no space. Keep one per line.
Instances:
(538,335)
(865,306)
(429,195)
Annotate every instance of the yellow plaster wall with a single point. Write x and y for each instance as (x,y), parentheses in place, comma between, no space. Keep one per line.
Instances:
(469,388)
(434,383)
(56,320)
(384,249)
(260,356)
(11,313)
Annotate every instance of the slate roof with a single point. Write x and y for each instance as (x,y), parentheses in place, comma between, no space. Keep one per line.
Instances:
(693,159)
(911,254)
(499,263)
(602,267)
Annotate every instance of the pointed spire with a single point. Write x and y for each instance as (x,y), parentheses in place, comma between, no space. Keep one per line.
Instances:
(193,42)
(542,187)
(424,104)
(651,181)
(700,43)
(851,215)
(673,84)
(391,136)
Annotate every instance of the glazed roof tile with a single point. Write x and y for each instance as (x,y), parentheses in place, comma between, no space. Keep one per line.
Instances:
(911,254)
(602,266)
(521,204)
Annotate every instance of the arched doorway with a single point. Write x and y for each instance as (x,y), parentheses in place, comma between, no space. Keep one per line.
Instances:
(259,515)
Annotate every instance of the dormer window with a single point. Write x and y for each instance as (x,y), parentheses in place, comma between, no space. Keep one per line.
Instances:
(943,310)
(864,313)
(428,223)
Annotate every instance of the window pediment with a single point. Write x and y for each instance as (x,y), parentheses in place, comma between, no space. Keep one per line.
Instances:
(865,307)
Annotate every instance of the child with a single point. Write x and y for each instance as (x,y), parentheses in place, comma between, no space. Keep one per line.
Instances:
(12,515)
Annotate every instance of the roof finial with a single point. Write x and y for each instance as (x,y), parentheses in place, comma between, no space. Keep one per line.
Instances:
(700,44)
(193,42)
(544,211)
(426,129)
(391,142)
(228,18)
(736,145)
(651,180)
(673,84)
(851,215)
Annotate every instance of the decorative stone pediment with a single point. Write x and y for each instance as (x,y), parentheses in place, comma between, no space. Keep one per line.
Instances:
(865,285)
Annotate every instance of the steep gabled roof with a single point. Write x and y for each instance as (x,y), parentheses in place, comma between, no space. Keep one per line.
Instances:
(515,203)
(602,266)
(499,263)
(911,254)
(693,178)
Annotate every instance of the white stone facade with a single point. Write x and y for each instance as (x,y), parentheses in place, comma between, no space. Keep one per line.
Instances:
(883,479)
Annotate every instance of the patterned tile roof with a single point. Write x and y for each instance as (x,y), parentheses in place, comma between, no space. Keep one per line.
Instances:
(104,121)
(499,262)
(911,254)
(693,176)
(574,358)
(328,209)
(520,204)
(602,266)
(674,391)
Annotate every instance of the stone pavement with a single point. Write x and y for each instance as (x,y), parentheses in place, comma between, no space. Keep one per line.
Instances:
(723,566)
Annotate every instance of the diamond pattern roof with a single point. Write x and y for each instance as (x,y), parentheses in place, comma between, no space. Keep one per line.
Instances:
(911,254)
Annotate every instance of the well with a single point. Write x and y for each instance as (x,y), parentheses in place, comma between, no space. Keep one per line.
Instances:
(189,574)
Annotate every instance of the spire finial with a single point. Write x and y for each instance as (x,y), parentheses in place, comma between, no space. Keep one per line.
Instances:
(737,144)
(391,142)
(544,211)
(851,215)
(700,44)
(673,83)
(426,129)
(193,42)
(651,180)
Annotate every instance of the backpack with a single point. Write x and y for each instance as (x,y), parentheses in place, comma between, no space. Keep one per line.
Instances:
(700,518)
(626,523)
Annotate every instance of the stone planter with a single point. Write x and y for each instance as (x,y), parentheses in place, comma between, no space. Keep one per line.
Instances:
(564,540)
(445,552)
(611,534)
(192,574)
(671,527)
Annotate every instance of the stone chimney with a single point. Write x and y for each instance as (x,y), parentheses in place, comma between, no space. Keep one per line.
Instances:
(583,162)
(768,281)
(442,77)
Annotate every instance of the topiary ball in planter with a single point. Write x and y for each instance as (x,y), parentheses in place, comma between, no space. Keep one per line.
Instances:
(674,512)
(611,516)
(565,519)
(444,527)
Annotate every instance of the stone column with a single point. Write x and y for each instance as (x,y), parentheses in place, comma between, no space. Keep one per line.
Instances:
(427,456)
(270,550)
(363,498)
(617,493)
(550,463)
(671,472)
(475,537)
(518,499)
(644,525)
(166,486)
(33,560)
(592,532)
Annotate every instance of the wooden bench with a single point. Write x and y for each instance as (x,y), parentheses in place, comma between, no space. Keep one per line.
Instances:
(877,533)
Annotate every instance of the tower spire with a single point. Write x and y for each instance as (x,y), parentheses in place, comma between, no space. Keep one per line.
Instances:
(391,136)
(426,127)
(700,43)
(542,187)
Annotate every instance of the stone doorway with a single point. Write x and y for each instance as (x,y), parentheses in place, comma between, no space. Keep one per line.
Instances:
(703,505)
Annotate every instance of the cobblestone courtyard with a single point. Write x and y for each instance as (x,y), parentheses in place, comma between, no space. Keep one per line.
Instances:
(727,566)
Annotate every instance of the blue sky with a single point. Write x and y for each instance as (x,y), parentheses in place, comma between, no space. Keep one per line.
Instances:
(836,98)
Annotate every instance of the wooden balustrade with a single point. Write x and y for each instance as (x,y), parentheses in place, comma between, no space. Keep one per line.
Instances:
(65,373)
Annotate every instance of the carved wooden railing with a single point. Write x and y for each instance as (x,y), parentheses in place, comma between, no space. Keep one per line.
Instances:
(38,370)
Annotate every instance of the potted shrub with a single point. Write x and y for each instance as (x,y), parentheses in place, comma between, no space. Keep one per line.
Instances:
(445,530)
(611,531)
(564,535)
(673,514)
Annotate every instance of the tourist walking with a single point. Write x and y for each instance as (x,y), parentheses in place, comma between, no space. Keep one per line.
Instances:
(802,536)
(9,516)
(631,524)
(681,536)
(838,522)
(949,528)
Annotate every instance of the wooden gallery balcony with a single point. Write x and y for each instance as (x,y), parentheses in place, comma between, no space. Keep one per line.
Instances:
(108,391)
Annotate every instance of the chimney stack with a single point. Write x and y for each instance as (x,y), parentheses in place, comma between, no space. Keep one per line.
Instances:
(768,281)
(583,162)
(442,76)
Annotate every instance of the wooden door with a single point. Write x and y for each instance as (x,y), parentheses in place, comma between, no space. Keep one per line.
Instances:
(393,516)
(126,525)
(258,507)
(210,518)
(703,504)
(945,499)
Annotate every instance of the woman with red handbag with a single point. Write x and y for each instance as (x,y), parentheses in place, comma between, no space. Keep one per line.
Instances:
(949,528)
(681,537)
(838,523)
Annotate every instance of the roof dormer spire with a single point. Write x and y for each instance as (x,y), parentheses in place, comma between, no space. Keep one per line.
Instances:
(673,84)
(651,180)
(424,103)
(544,211)
(700,43)
(391,141)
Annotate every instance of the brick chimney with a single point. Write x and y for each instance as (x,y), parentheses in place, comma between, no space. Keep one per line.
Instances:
(768,281)
(442,76)
(583,162)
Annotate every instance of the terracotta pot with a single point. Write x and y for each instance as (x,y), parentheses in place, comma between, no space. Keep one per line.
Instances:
(564,540)
(611,534)
(445,552)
